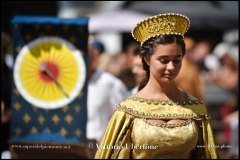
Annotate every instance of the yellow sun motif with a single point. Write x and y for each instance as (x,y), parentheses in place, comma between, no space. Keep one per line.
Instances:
(49,72)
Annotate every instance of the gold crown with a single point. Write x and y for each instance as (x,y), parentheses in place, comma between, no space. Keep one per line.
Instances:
(162,24)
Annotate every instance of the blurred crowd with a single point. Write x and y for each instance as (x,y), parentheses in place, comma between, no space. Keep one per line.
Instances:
(209,72)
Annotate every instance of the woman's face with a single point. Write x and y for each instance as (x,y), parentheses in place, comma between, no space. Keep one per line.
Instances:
(165,63)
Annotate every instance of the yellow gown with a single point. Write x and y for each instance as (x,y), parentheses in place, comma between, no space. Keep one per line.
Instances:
(130,134)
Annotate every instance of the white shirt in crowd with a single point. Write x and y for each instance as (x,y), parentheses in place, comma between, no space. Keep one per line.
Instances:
(105,92)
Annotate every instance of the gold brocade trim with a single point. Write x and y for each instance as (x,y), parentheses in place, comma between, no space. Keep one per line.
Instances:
(120,142)
(197,117)
(164,102)
(168,125)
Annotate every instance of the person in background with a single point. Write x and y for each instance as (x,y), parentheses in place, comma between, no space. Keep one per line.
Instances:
(227,78)
(160,120)
(202,49)
(137,70)
(131,49)
(121,65)
(105,91)
(189,76)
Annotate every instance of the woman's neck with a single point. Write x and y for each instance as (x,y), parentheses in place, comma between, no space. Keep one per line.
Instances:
(156,90)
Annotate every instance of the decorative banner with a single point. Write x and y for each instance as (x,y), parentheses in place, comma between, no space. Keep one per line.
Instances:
(49,87)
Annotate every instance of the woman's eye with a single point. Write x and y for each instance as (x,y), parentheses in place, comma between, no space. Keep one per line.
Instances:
(164,61)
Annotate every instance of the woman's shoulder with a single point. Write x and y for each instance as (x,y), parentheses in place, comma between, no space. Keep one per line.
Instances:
(196,104)
(128,105)
(127,101)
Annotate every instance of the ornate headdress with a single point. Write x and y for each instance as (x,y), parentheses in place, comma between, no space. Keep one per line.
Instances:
(162,24)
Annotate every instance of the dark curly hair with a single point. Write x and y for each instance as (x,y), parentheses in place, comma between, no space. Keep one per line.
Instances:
(148,47)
